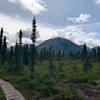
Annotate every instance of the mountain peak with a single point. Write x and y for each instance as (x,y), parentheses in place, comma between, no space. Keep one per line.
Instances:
(61,44)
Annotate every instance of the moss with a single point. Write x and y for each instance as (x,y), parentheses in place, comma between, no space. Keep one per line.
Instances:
(2,96)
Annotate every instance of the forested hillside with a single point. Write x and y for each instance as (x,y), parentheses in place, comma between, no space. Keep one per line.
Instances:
(60,44)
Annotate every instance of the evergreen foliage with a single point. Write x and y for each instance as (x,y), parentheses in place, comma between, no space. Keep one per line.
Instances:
(20,37)
(33,48)
(87,64)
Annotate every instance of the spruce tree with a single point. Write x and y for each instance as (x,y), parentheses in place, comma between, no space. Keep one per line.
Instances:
(33,48)
(18,62)
(1,41)
(41,55)
(11,54)
(20,44)
(25,55)
(59,55)
(86,62)
(20,37)
(84,53)
(16,58)
(98,54)
(93,55)
(4,50)
(11,60)
(51,64)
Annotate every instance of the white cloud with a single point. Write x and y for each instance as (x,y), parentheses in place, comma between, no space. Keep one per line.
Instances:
(11,26)
(97,2)
(73,33)
(35,6)
(12,1)
(79,36)
(82,18)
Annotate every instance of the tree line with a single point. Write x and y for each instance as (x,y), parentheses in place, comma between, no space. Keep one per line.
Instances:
(23,54)
(20,53)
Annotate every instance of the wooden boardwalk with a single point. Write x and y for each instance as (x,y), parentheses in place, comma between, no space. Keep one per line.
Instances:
(10,92)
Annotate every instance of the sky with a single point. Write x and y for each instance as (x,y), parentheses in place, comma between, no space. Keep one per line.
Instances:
(76,20)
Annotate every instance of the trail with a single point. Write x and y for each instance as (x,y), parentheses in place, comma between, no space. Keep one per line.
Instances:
(10,92)
(88,93)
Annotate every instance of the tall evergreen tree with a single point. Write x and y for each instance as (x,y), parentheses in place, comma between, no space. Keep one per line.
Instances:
(11,60)
(87,64)
(20,37)
(1,41)
(18,63)
(93,55)
(4,50)
(11,53)
(20,46)
(34,31)
(41,55)
(51,64)
(84,53)
(16,58)
(33,49)
(59,55)
(25,55)
(98,54)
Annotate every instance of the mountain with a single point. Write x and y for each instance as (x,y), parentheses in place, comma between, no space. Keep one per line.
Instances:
(96,48)
(61,44)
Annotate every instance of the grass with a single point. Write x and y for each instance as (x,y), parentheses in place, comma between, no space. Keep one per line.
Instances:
(52,87)
(2,96)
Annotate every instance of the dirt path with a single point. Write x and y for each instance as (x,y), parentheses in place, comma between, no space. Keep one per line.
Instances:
(10,92)
(89,93)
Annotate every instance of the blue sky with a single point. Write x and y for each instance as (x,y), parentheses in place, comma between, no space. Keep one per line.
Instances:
(77,20)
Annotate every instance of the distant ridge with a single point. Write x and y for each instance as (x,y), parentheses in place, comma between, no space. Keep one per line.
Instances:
(96,48)
(61,44)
